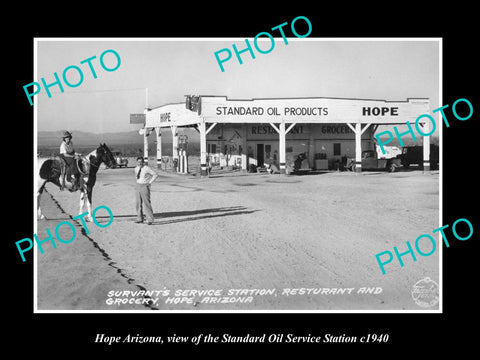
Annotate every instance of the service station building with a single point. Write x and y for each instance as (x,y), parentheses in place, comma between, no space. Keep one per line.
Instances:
(276,130)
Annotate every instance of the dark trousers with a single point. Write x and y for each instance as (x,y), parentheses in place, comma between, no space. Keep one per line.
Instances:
(71,166)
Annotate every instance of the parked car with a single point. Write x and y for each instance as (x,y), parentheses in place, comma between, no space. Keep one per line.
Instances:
(120,159)
(370,161)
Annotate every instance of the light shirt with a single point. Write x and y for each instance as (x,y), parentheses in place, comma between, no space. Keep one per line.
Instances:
(67,149)
(146,175)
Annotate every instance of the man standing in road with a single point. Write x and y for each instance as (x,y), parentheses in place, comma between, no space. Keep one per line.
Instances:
(145,177)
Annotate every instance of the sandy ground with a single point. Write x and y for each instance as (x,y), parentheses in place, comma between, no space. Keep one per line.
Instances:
(250,231)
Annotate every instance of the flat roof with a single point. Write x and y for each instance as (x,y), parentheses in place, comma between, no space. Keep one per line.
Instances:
(220,109)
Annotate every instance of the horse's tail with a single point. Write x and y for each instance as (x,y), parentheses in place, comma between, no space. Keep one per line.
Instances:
(41,188)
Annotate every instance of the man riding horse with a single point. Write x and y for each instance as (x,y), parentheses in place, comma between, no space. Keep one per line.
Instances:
(70,172)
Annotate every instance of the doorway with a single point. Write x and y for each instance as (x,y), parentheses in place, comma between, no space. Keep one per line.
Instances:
(260,155)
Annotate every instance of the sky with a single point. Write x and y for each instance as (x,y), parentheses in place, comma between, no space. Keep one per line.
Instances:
(389,69)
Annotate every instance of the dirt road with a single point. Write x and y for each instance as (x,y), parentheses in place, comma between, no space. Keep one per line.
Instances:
(244,232)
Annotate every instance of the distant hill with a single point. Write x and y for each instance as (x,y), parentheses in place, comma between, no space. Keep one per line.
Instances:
(81,138)
(130,143)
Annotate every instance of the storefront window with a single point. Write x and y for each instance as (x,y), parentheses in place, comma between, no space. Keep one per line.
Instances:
(336,149)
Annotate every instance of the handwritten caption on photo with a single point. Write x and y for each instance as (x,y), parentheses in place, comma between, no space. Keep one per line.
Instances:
(220,296)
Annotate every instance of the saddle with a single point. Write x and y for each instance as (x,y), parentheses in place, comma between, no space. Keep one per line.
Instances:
(83,166)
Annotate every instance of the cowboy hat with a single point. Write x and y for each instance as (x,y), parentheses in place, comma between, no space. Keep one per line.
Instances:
(66,134)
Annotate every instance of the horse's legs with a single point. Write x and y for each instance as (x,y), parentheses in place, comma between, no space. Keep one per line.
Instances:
(82,202)
(39,193)
(85,198)
(89,202)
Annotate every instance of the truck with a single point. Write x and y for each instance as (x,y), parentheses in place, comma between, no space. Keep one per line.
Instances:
(413,155)
(370,161)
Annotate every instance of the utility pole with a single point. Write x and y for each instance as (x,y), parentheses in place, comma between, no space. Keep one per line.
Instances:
(145,138)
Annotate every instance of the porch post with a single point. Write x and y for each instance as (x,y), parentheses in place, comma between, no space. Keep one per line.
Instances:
(145,146)
(244,146)
(426,147)
(281,147)
(203,148)
(358,147)
(158,132)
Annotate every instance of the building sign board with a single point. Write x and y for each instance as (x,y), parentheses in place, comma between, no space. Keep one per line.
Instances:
(289,110)
(137,118)
(171,114)
(311,110)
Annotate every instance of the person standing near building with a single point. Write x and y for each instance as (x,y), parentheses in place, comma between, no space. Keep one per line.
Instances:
(145,177)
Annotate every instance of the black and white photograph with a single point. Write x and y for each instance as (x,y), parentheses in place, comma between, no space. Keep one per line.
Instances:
(273,180)
(270,197)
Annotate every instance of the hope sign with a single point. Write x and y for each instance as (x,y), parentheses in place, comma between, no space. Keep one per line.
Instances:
(228,53)
(69,70)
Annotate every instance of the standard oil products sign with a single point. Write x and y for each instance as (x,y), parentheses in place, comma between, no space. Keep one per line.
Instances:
(272,111)
(323,110)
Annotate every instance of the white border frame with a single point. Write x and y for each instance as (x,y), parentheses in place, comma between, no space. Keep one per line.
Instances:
(386,39)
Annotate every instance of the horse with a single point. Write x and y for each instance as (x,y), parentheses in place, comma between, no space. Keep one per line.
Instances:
(50,171)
